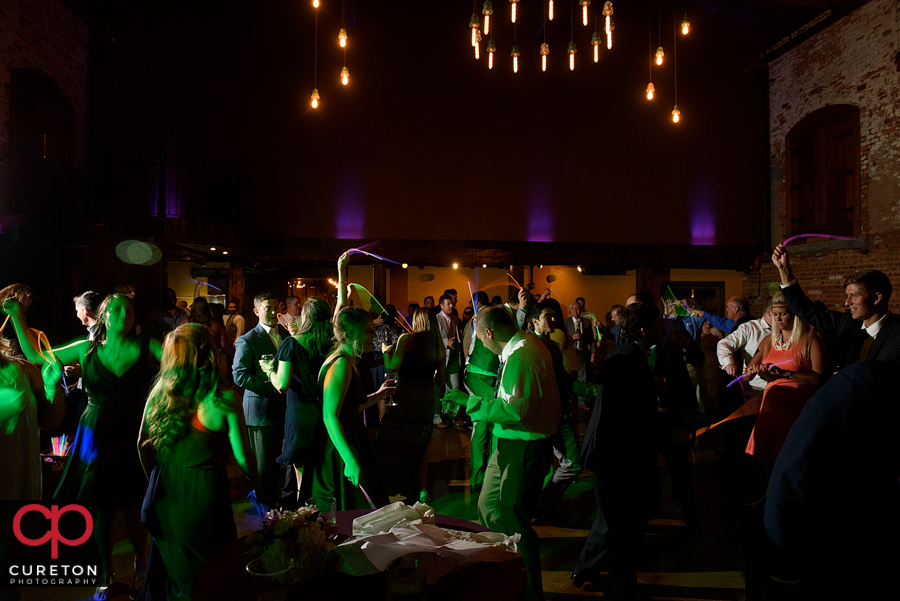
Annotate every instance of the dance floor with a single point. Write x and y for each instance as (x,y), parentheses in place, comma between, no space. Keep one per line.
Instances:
(675,564)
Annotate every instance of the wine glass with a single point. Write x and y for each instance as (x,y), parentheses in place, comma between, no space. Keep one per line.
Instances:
(390,400)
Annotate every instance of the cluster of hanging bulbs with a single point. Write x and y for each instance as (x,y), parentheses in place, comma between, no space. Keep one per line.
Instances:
(315,97)
(487,10)
(658,59)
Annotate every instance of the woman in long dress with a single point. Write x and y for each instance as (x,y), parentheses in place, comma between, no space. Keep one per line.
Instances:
(299,359)
(406,429)
(117,369)
(190,428)
(344,466)
(792,360)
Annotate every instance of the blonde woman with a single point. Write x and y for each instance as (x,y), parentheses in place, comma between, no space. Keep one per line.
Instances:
(344,466)
(792,360)
(190,429)
(406,429)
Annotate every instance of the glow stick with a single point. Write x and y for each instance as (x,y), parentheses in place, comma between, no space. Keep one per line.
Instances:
(362,251)
(284,323)
(403,324)
(4,324)
(554,292)
(742,376)
(474,305)
(792,238)
(515,283)
(368,498)
(751,407)
(205,283)
(42,336)
(367,247)
(368,296)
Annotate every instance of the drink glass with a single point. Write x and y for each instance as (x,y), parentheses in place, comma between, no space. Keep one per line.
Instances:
(269,585)
(390,400)
(327,511)
(406,580)
(268,359)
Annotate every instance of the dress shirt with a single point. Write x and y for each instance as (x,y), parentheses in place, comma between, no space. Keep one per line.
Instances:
(873,329)
(272,331)
(235,325)
(527,406)
(745,339)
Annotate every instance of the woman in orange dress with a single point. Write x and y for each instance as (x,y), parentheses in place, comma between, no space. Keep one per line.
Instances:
(791,359)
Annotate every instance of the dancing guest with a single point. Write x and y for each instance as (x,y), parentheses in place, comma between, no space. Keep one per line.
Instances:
(344,465)
(201,313)
(405,431)
(25,296)
(791,359)
(264,406)
(27,403)
(117,369)
(387,333)
(300,357)
(190,428)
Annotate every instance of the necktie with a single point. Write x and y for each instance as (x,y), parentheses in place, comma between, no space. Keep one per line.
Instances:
(866,346)
(499,379)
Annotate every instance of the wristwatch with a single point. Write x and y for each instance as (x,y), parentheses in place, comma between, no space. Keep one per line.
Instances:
(788,374)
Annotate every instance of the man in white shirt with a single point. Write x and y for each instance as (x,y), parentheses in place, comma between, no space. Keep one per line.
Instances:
(744,341)
(234,322)
(294,307)
(525,413)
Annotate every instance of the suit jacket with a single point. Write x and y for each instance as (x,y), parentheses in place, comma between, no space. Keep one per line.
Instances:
(621,434)
(843,331)
(263,405)
(587,333)
(680,395)
(442,328)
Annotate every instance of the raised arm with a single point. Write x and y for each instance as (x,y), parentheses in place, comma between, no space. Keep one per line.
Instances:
(343,262)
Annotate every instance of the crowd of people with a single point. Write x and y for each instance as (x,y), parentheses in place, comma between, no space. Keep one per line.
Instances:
(322,401)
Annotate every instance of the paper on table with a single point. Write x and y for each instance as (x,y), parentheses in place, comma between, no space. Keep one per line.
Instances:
(407,532)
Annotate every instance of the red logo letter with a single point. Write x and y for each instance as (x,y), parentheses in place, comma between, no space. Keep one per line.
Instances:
(53,514)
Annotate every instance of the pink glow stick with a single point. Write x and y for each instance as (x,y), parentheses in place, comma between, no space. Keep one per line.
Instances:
(792,238)
(515,283)
(741,377)
(364,250)
(368,498)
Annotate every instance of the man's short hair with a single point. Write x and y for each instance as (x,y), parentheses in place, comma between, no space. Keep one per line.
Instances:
(616,308)
(513,296)
(426,299)
(573,305)
(89,301)
(290,299)
(444,297)
(579,298)
(872,281)
(496,300)
(450,291)
(496,319)
(260,299)
(742,303)
(643,298)
(535,312)
(768,305)
(482,299)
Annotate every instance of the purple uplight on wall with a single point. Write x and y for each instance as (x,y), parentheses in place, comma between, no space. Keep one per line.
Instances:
(540,213)
(349,208)
(703,214)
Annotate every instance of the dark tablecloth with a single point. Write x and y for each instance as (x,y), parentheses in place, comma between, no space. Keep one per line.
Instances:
(224,576)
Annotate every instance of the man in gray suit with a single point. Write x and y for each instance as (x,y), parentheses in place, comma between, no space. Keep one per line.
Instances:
(581,337)
(264,407)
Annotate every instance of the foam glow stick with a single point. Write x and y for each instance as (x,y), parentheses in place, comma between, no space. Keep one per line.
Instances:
(369,298)
(742,376)
(368,498)
(282,320)
(792,238)
(41,336)
(515,283)
(474,305)
(205,284)
(4,323)
(364,250)
(751,407)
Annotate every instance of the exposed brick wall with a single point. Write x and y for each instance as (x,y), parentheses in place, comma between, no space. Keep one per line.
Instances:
(45,35)
(854,61)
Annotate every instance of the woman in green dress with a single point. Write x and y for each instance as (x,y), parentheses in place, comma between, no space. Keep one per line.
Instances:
(190,428)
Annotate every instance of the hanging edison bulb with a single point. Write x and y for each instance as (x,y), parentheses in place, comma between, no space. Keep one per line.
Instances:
(550,10)
(595,42)
(659,55)
(478,45)
(342,37)
(515,56)
(650,90)
(545,50)
(685,26)
(345,76)
(487,10)
(608,12)
(572,51)
(315,5)
(676,114)
(314,98)
(512,15)
(584,11)
(474,23)
(491,48)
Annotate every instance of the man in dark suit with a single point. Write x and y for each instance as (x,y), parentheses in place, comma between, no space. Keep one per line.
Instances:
(581,337)
(831,519)
(264,407)
(619,447)
(867,332)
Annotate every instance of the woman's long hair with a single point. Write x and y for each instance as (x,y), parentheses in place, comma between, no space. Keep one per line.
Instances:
(425,343)
(350,327)
(187,375)
(316,332)
(100,332)
(802,333)
(200,312)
